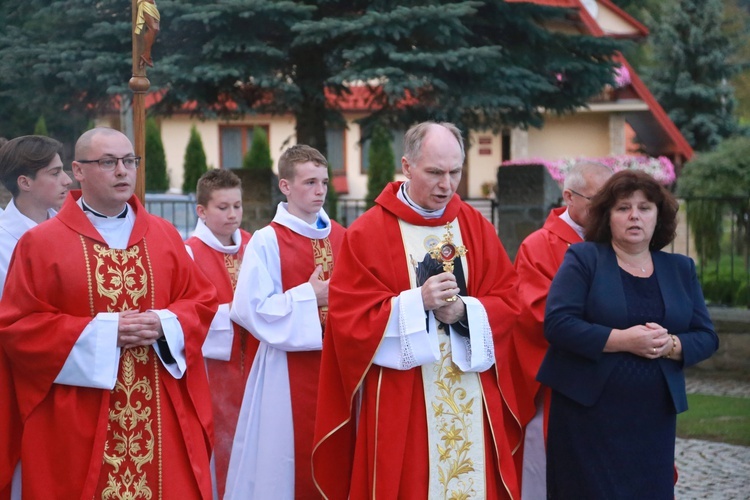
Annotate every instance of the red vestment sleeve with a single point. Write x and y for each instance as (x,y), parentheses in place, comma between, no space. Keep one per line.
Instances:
(537,262)
(10,428)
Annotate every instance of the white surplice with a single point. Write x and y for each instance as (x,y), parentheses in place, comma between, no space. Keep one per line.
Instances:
(262,460)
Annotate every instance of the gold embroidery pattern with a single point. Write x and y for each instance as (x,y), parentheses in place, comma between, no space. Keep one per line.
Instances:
(88,275)
(128,465)
(453,427)
(130,427)
(232,263)
(126,275)
(156,374)
(323,256)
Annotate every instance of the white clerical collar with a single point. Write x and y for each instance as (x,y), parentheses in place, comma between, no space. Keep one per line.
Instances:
(87,208)
(114,230)
(565,216)
(427,214)
(203,233)
(301,227)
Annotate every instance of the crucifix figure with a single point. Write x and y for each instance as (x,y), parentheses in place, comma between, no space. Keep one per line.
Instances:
(445,251)
(148,17)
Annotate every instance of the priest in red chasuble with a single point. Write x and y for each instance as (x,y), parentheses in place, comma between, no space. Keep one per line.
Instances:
(282,299)
(103,320)
(415,397)
(537,261)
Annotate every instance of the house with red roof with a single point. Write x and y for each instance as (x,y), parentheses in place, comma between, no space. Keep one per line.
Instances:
(625,119)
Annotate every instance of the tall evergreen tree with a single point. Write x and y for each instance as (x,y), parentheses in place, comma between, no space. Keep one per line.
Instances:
(737,28)
(481,64)
(381,159)
(64,59)
(195,162)
(41,126)
(693,67)
(157,179)
(258,156)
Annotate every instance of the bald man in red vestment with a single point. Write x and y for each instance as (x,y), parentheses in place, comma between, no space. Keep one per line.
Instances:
(103,320)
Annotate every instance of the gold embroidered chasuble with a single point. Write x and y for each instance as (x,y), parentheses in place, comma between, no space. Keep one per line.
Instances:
(453,398)
(121,280)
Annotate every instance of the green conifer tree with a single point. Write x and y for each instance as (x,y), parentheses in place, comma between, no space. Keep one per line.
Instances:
(481,64)
(41,127)
(157,179)
(690,79)
(259,155)
(381,169)
(195,162)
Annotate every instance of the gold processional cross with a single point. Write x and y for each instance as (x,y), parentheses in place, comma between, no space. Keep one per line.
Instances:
(445,251)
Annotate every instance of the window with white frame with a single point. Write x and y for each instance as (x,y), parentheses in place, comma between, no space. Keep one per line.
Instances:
(235,142)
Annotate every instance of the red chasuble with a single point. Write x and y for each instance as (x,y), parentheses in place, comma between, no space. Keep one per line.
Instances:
(10,428)
(537,261)
(299,256)
(151,434)
(388,458)
(226,378)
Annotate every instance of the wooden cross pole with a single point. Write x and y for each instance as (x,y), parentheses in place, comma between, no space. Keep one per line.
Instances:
(145,18)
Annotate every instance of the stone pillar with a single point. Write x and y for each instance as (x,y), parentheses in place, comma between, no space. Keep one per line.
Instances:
(260,195)
(525,195)
(519,144)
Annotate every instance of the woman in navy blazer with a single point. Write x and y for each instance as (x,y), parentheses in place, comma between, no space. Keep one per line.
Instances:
(623,319)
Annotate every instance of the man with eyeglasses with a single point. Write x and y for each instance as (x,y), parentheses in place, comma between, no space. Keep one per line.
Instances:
(537,261)
(104,328)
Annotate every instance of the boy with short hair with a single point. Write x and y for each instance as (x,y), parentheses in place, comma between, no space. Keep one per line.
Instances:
(31,169)
(282,298)
(217,246)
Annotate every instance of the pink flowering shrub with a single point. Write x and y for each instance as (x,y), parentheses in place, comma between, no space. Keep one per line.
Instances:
(660,168)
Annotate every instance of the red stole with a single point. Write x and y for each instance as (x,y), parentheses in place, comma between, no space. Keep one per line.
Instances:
(299,257)
(226,378)
(121,280)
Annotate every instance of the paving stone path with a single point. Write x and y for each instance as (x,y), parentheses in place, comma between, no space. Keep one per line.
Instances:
(713,470)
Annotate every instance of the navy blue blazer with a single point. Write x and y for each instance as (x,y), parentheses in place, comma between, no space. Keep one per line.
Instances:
(586,301)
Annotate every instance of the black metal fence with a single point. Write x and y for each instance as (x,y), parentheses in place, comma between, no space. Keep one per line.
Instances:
(179,209)
(715,232)
(719,242)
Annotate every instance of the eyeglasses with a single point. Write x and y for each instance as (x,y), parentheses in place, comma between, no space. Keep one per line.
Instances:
(110,162)
(581,195)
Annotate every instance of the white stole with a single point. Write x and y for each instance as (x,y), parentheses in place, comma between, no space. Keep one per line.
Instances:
(453,398)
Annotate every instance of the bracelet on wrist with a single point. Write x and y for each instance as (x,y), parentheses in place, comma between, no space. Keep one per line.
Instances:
(674,346)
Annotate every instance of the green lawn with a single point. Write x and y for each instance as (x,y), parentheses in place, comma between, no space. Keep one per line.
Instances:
(716,418)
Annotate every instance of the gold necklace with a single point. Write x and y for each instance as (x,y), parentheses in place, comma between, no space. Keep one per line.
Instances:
(643,270)
(632,266)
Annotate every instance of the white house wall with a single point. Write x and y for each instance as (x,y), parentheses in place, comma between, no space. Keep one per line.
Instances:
(613,23)
(583,134)
(175,132)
